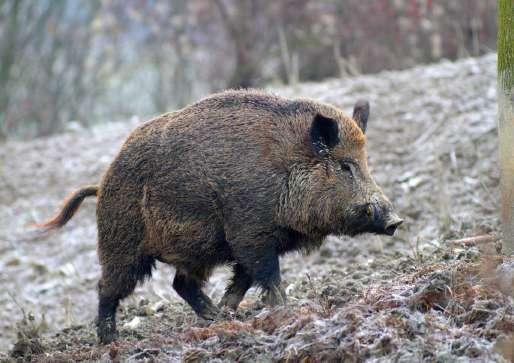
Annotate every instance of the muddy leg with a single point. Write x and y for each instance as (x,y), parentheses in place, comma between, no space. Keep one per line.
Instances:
(109,296)
(237,288)
(269,279)
(121,231)
(263,266)
(274,296)
(190,290)
(117,282)
(106,324)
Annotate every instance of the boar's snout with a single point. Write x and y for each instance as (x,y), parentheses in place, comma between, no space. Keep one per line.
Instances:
(391,223)
(384,219)
(375,217)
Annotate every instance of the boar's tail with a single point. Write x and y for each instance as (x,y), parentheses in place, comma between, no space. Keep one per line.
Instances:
(71,204)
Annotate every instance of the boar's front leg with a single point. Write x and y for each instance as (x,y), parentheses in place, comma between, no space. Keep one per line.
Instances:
(237,288)
(190,290)
(267,276)
(260,259)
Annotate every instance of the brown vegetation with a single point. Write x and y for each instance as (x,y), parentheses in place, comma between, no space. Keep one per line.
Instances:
(437,311)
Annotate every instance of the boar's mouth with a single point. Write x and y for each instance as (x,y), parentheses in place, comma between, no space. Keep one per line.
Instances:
(392,225)
(382,223)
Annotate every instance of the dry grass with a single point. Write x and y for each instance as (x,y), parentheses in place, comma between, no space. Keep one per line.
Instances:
(440,309)
(437,301)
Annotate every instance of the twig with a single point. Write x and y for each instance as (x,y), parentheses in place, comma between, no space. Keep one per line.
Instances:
(429,132)
(485,238)
(322,302)
(147,353)
(11,295)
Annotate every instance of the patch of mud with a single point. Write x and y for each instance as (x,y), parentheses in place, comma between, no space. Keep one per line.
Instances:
(432,146)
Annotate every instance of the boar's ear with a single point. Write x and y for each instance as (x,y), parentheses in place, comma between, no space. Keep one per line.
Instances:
(361,113)
(324,134)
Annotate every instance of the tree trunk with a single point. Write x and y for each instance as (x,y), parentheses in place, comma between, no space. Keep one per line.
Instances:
(243,36)
(7,59)
(506,118)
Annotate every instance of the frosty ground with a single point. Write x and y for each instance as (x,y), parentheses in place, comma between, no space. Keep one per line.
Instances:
(432,143)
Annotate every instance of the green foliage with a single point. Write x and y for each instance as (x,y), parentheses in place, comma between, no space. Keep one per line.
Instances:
(506,118)
(506,44)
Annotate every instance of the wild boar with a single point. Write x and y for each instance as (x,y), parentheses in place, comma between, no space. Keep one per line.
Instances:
(239,178)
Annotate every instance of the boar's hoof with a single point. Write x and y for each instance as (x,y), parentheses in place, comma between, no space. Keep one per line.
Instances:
(226,314)
(106,332)
(230,301)
(211,313)
(208,318)
(274,296)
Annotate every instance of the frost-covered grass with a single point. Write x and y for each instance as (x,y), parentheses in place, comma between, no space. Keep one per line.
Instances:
(432,144)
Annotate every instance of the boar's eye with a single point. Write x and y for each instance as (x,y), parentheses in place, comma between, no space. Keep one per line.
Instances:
(349,168)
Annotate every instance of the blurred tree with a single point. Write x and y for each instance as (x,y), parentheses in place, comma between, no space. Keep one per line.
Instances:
(506,118)
(43,80)
(10,14)
(240,25)
(89,60)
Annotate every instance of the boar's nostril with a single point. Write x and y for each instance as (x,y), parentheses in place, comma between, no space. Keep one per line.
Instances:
(392,225)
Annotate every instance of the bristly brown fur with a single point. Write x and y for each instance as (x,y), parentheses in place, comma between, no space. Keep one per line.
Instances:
(238,178)
(70,206)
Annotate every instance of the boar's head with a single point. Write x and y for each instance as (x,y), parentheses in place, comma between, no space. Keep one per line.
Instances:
(331,190)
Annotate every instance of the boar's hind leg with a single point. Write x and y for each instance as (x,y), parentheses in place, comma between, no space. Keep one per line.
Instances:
(117,282)
(237,288)
(190,290)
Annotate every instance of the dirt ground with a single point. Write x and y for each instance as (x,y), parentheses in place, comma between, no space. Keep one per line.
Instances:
(432,142)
